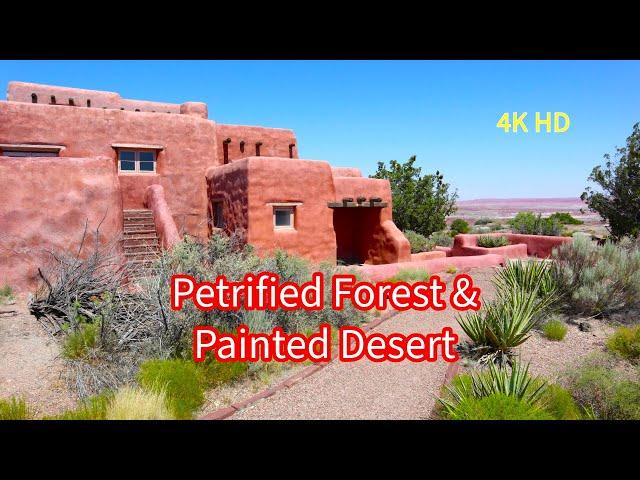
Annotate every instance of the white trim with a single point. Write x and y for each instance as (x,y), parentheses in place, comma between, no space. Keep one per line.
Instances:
(292,217)
(26,147)
(137,146)
(283,204)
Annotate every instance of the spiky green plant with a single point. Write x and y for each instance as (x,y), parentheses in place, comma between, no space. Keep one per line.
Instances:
(504,324)
(526,275)
(513,381)
(492,241)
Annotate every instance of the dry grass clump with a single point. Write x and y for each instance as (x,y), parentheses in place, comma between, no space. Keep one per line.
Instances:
(136,404)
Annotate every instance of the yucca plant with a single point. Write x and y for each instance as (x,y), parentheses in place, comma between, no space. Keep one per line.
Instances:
(527,276)
(491,241)
(513,381)
(504,324)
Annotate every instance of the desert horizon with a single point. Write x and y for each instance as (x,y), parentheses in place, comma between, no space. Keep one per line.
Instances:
(502,208)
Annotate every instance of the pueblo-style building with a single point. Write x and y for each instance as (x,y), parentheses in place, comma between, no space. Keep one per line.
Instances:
(153,172)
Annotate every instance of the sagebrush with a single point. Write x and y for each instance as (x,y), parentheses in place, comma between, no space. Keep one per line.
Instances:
(598,280)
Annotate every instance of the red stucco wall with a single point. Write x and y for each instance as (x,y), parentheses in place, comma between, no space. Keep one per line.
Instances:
(274,179)
(275,141)
(44,203)
(366,234)
(166,229)
(230,184)
(189,145)
(536,245)
(22,91)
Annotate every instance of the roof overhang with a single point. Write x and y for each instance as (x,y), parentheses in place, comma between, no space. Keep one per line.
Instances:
(138,146)
(28,147)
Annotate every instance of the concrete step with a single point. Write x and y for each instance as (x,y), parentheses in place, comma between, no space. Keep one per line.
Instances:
(140,241)
(139,224)
(142,248)
(136,231)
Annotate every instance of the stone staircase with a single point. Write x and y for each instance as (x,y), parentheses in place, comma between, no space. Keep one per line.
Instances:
(140,241)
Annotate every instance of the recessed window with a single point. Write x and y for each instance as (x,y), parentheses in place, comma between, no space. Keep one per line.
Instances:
(28,153)
(217,209)
(283,217)
(137,161)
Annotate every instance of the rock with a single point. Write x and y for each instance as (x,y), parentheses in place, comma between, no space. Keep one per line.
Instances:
(584,327)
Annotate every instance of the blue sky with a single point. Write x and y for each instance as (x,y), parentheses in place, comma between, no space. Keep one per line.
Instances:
(355,113)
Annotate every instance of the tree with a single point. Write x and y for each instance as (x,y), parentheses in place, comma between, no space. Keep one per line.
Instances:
(420,203)
(619,200)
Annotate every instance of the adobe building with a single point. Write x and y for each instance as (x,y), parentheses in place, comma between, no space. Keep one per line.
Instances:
(143,169)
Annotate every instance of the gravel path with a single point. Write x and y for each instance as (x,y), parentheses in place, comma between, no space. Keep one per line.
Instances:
(367,390)
(30,366)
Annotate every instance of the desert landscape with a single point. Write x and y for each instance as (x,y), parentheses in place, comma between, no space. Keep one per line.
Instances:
(503,209)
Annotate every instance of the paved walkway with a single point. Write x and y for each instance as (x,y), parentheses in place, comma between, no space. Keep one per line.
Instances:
(367,390)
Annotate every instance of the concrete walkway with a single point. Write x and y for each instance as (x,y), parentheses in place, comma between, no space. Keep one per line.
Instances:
(367,390)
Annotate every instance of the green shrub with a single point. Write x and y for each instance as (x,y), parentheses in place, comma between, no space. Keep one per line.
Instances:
(461,396)
(626,342)
(459,226)
(14,409)
(483,221)
(214,373)
(136,404)
(491,241)
(441,239)
(419,243)
(496,226)
(78,343)
(6,293)
(179,379)
(497,406)
(410,275)
(92,408)
(565,218)
(554,330)
(560,404)
(530,224)
(598,280)
(598,387)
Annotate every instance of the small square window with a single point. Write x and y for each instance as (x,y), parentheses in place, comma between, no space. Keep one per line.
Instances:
(283,217)
(137,161)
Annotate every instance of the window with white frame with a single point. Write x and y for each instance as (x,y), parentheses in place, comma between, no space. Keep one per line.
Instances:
(284,217)
(137,161)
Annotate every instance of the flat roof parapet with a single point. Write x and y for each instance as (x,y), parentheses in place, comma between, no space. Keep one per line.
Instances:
(78,97)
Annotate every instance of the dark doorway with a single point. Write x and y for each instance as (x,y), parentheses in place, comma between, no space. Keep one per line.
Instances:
(355,228)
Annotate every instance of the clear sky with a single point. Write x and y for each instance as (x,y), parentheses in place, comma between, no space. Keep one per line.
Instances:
(355,113)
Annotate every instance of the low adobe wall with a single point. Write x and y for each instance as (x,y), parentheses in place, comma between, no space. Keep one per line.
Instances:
(428,255)
(520,245)
(378,273)
(44,203)
(166,228)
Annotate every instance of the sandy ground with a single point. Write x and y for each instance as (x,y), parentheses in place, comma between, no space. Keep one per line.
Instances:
(550,358)
(367,390)
(30,366)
